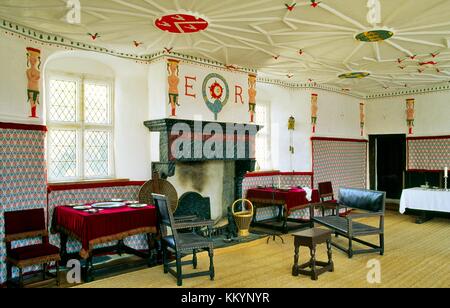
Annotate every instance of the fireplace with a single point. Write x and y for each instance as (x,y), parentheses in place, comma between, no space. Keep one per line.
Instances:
(208,158)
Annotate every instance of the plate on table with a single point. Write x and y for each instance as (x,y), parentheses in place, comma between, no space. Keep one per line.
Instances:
(82,207)
(74,204)
(137,206)
(132,202)
(108,205)
(117,200)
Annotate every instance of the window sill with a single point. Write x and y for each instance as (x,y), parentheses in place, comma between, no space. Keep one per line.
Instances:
(90,184)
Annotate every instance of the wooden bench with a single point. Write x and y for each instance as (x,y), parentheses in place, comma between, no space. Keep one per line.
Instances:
(371,203)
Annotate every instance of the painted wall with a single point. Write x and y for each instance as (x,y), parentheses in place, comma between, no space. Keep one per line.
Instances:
(235,110)
(388,115)
(13,80)
(132,141)
(338,116)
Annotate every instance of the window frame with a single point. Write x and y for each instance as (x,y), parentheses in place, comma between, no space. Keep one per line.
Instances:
(80,125)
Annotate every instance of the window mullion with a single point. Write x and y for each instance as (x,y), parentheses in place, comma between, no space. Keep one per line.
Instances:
(83,128)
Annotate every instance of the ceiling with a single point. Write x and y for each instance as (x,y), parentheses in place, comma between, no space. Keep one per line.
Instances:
(296,41)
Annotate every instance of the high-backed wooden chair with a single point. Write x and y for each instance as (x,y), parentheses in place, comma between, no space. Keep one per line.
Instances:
(326,195)
(182,244)
(20,225)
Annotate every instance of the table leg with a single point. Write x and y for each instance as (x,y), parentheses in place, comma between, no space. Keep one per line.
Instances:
(63,243)
(330,255)
(88,269)
(314,275)
(296,257)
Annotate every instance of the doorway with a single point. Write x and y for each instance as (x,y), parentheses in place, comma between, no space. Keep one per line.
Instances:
(387,164)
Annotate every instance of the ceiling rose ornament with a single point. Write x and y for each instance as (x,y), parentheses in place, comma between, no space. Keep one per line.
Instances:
(354,75)
(374,36)
(185,22)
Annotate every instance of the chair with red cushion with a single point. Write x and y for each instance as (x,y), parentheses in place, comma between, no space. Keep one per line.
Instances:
(326,195)
(21,225)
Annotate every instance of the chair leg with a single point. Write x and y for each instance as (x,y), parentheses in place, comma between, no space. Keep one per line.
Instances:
(44,270)
(212,273)
(21,278)
(350,247)
(382,244)
(58,281)
(194,259)
(179,270)
(8,271)
(165,261)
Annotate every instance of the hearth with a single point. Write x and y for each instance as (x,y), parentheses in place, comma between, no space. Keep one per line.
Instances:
(209,159)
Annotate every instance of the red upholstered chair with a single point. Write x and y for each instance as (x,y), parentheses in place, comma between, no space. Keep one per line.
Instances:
(326,194)
(20,225)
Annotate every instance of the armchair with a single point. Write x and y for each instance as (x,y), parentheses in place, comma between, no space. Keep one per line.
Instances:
(182,244)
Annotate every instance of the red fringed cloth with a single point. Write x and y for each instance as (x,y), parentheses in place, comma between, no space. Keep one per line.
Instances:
(292,198)
(103,227)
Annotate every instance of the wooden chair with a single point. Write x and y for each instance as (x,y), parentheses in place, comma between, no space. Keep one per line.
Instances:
(326,195)
(20,225)
(182,244)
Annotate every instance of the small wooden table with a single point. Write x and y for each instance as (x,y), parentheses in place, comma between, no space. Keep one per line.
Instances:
(311,238)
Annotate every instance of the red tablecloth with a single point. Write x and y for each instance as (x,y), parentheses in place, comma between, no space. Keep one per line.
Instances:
(292,198)
(105,226)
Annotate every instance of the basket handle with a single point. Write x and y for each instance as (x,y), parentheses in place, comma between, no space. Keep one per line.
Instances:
(240,200)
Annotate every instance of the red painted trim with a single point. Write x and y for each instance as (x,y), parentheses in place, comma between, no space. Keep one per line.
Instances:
(424,170)
(261,174)
(62,187)
(427,138)
(338,139)
(18,126)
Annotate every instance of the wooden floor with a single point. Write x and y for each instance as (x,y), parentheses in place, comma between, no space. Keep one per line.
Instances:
(416,256)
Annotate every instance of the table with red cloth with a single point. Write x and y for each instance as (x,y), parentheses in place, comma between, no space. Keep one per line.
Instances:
(287,200)
(102,227)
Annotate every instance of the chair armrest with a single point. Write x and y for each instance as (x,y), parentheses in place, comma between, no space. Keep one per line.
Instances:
(186,217)
(364,215)
(193,224)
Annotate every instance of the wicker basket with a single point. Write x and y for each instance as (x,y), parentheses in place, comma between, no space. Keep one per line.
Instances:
(243,218)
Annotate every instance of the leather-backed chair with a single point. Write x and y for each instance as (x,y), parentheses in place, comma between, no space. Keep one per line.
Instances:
(21,225)
(182,244)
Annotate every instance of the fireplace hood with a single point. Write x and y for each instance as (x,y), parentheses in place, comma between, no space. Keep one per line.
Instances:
(185,141)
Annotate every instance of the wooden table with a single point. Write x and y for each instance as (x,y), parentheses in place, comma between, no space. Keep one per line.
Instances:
(104,227)
(311,238)
(286,201)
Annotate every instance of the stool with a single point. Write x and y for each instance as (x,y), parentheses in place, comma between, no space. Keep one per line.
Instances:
(311,238)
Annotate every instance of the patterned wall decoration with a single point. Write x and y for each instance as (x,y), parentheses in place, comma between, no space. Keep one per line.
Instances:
(410,114)
(362,117)
(90,195)
(341,161)
(314,111)
(34,77)
(252,96)
(173,81)
(23,182)
(428,153)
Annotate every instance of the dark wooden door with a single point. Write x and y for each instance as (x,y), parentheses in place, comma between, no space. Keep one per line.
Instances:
(388,164)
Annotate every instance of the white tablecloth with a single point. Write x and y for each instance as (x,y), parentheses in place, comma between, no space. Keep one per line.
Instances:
(425,200)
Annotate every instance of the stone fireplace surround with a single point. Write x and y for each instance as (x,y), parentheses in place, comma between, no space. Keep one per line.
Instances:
(221,178)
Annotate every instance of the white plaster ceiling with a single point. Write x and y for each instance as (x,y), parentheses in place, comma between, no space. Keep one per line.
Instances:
(307,44)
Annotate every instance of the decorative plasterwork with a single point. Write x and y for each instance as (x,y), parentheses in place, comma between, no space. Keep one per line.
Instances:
(65,43)
(62,42)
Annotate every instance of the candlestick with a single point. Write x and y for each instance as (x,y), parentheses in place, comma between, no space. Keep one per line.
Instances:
(446,172)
